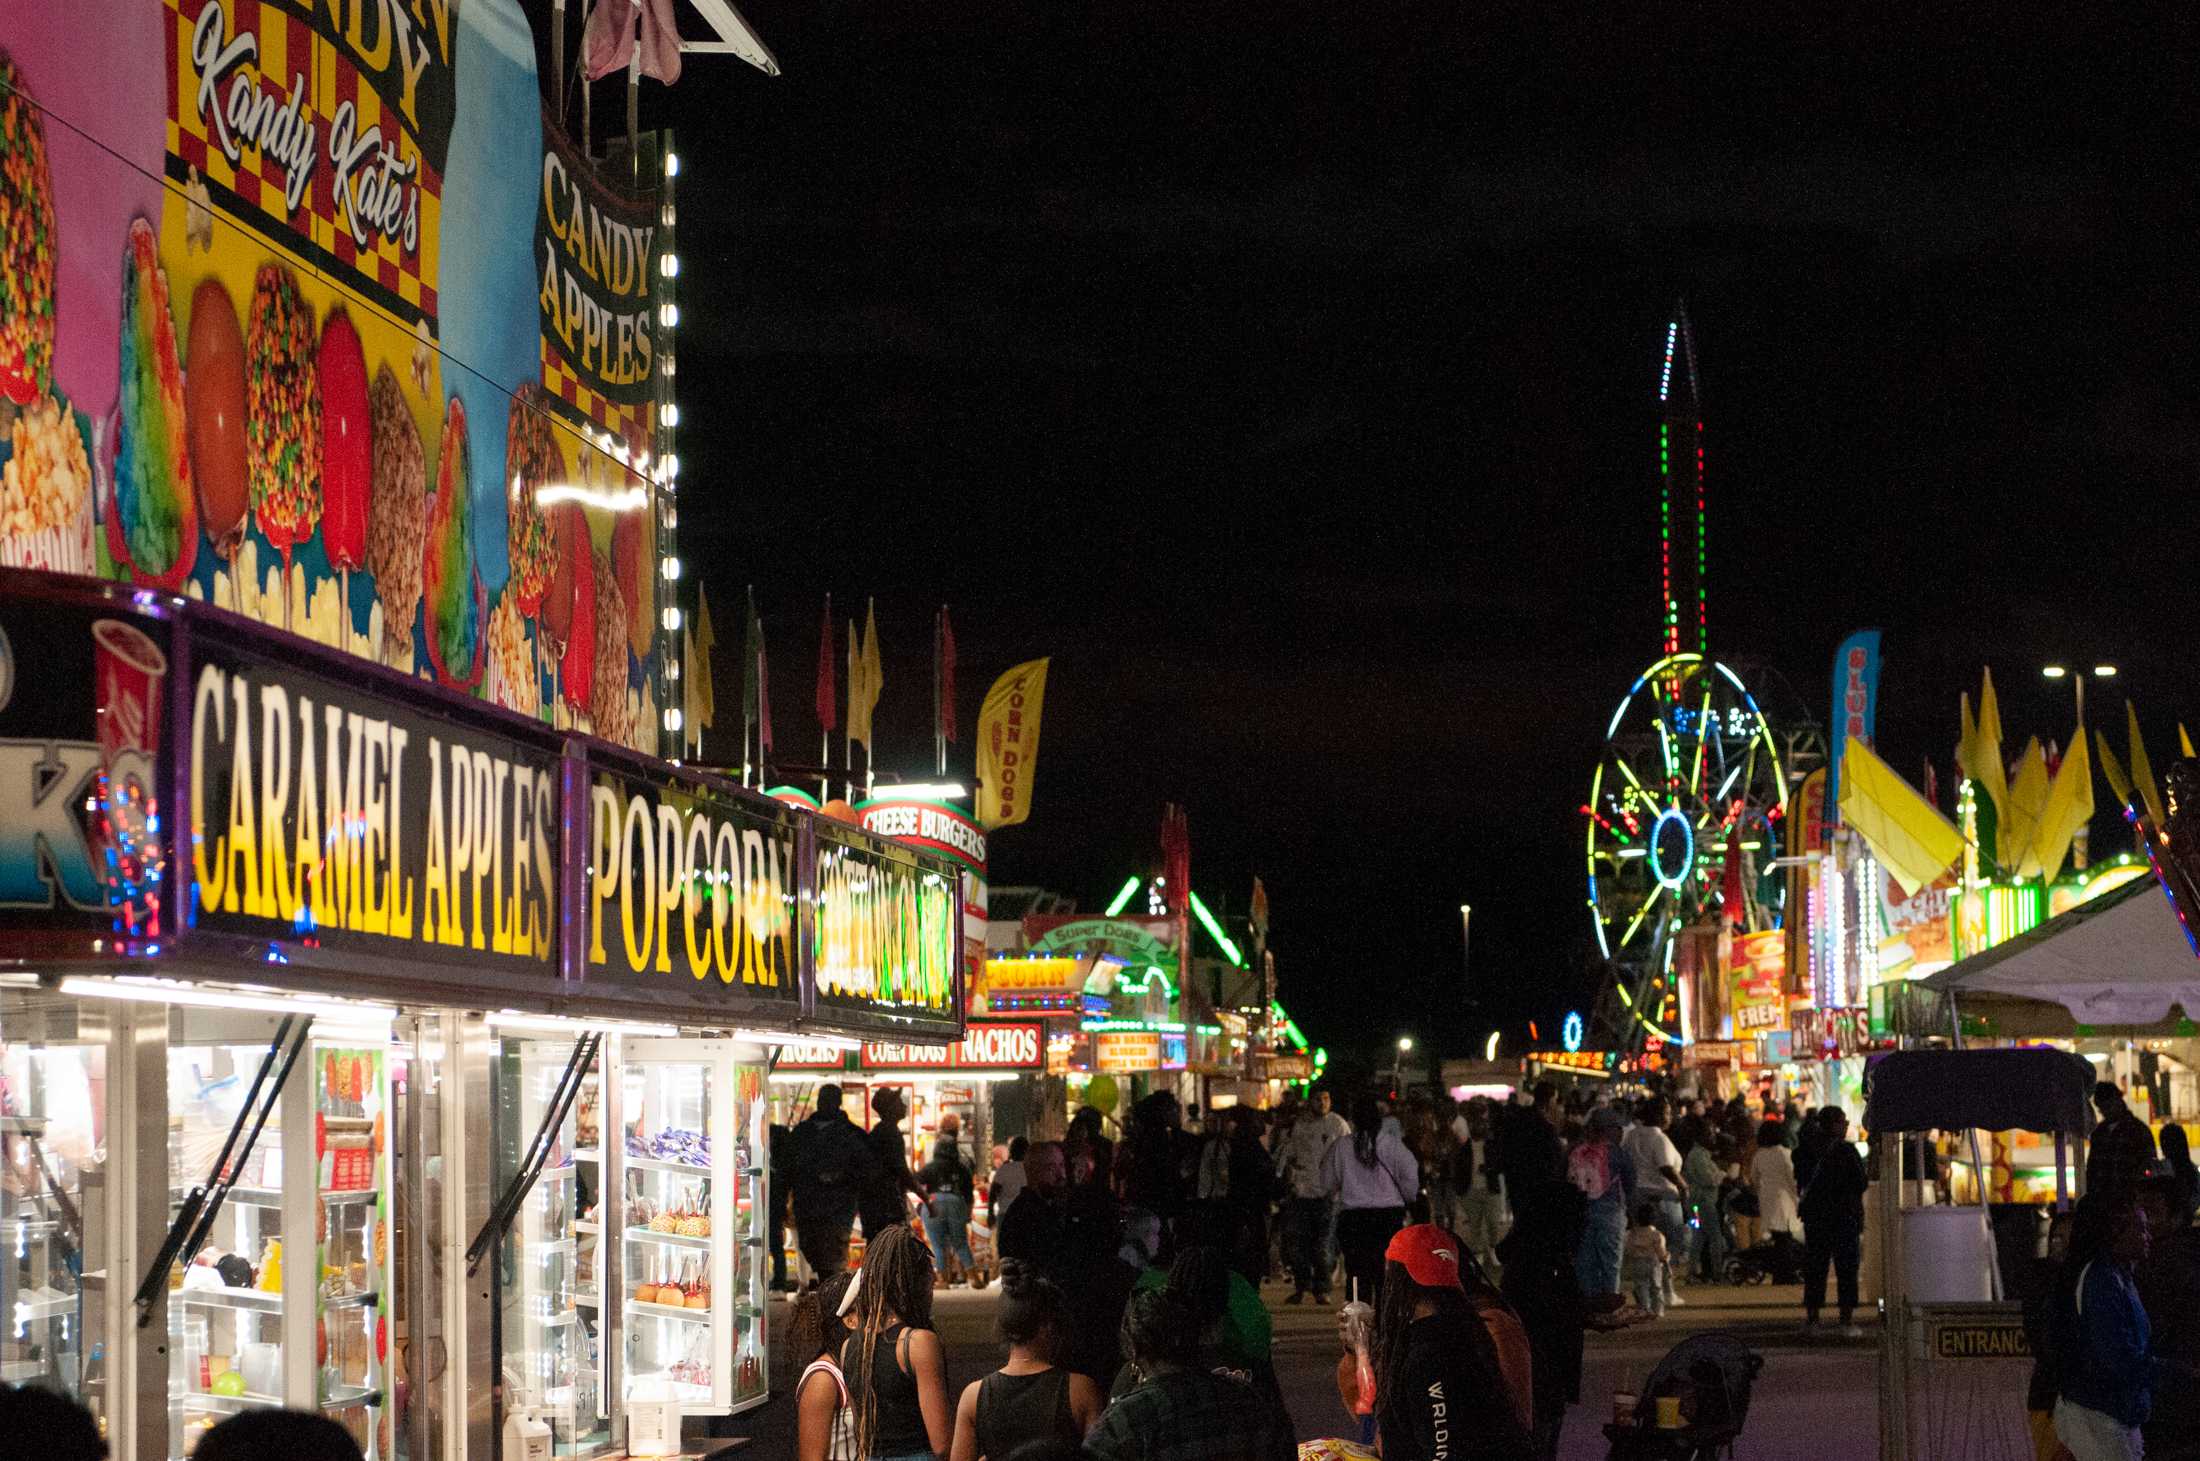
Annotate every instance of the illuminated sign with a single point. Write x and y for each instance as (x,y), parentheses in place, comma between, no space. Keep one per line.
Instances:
(326,816)
(804,1055)
(889,931)
(691,889)
(1125,1052)
(1569,1034)
(1135,941)
(990,1045)
(1756,972)
(1045,974)
(928,824)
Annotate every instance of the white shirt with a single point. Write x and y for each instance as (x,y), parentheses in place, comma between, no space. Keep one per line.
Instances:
(1651,1149)
(1772,1176)
(1393,1180)
(1008,1185)
(1299,1157)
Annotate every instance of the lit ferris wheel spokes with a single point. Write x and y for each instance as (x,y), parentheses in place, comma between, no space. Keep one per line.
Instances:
(1690,776)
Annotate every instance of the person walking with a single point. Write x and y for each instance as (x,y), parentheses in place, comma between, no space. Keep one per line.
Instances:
(1479,1186)
(1605,1176)
(1545,1291)
(1643,1261)
(824,1423)
(2103,1342)
(1772,1182)
(1179,1410)
(1299,1155)
(892,1360)
(1658,1184)
(1008,1182)
(1252,1194)
(2122,1152)
(882,1201)
(832,1166)
(947,1214)
(1702,1174)
(1373,1179)
(1832,1210)
(1154,1166)
(1031,1398)
(1069,1236)
(2182,1175)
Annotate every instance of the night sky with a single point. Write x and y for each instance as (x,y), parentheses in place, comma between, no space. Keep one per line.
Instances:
(1287,372)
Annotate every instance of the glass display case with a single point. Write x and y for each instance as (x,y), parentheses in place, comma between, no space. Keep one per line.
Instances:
(53,1149)
(285,1304)
(547,1279)
(692,1196)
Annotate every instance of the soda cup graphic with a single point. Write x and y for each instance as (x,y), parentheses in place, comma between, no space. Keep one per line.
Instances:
(131,675)
(131,671)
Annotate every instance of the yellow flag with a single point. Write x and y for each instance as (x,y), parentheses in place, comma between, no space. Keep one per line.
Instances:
(859,708)
(2184,739)
(2113,769)
(2016,834)
(1907,833)
(2069,807)
(874,678)
(1991,775)
(2142,771)
(704,713)
(1008,744)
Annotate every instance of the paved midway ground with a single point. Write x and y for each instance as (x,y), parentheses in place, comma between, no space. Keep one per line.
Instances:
(1817,1399)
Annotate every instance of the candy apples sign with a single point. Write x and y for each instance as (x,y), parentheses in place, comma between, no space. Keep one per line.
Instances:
(274,335)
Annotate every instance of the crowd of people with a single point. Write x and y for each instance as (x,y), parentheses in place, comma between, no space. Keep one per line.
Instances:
(1131,1264)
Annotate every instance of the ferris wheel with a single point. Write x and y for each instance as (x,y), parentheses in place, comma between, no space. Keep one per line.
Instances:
(1684,818)
(1685,814)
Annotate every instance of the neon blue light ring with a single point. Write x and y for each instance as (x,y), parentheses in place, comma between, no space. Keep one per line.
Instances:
(1672,882)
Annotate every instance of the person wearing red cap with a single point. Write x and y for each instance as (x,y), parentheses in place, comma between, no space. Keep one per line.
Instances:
(1441,1392)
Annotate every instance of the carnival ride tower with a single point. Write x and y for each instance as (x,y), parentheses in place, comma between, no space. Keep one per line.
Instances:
(1685,812)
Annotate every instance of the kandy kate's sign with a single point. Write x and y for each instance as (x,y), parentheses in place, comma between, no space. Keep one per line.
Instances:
(324,816)
(275,334)
(691,890)
(889,932)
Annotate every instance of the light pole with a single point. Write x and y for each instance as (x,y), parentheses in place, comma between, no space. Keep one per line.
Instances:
(1398,1066)
(1466,929)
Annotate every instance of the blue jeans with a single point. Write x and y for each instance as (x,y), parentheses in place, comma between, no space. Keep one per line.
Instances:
(947,1224)
(1710,1234)
(1672,1221)
(1596,1265)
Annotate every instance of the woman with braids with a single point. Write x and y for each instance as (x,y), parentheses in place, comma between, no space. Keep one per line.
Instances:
(1440,1391)
(1373,1179)
(824,1424)
(1179,1410)
(1030,1398)
(895,1368)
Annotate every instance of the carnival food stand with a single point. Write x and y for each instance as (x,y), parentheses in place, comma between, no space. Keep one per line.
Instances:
(321,981)
(1953,1358)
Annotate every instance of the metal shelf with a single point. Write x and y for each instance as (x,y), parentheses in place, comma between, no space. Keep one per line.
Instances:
(645,1235)
(259,1301)
(652,1164)
(668,1311)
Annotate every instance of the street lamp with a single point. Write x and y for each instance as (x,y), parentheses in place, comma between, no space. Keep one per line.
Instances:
(1466,928)
(2077,682)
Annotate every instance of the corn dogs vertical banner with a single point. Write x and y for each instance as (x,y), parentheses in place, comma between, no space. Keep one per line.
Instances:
(1008,744)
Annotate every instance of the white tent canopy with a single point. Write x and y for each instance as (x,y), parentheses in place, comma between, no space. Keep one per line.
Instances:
(2120,960)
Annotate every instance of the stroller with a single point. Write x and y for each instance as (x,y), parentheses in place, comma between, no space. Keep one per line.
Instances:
(1777,1259)
(1712,1375)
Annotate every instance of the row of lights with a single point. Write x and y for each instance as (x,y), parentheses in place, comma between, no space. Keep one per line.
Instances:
(668,417)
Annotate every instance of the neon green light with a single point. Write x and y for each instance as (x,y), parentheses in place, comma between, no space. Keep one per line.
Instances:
(1214,931)
(1123,897)
(1123,984)
(1321,1057)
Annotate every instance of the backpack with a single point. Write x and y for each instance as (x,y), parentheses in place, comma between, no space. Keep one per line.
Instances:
(1589,1167)
(1515,1356)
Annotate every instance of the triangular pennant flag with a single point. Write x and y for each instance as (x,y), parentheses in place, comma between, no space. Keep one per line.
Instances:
(947,677)
(2113,769)
(2184,740)
(2069,808)
(874,678)
(705,714)
(2025,804)
(1905,832)
(752,654)
(1967,737)
(2142,772)
(1991,773)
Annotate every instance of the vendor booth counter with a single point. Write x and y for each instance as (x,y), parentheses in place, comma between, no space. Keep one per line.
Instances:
(1954,1358)
(368,1050)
